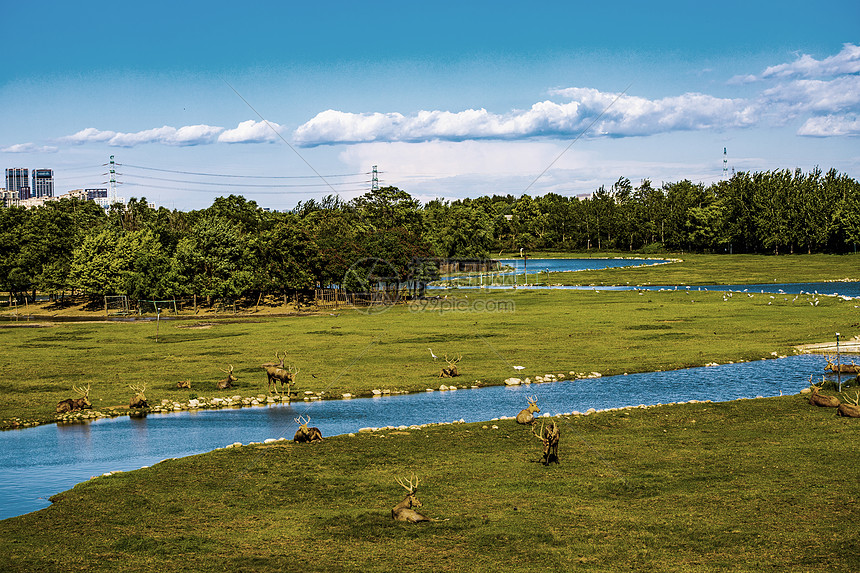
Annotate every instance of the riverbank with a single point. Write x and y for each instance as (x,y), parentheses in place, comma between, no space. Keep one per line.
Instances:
(666,488)
(354,352)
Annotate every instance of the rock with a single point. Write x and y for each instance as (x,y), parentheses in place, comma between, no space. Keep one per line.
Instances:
(513,382)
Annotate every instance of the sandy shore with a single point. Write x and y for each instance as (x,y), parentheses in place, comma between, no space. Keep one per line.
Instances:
(847,346)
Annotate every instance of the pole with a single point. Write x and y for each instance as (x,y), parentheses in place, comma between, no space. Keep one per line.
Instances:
(157,320)
(838,364)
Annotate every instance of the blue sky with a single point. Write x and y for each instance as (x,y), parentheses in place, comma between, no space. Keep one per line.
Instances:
(449,99)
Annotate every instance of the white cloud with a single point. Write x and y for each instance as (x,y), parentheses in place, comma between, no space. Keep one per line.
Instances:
(89,135)
(167,135)
(252,132)
(831,126)
(845,62)
(619,116)
(29,148)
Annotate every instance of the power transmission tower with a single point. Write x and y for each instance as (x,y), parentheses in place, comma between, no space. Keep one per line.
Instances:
(725,163)
(374,181)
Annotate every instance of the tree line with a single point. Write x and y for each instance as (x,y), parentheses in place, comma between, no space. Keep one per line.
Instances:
(236,249)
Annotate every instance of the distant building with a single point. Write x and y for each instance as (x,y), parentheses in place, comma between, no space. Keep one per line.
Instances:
(93,194)
(18,180)
(8,198)
(43,183)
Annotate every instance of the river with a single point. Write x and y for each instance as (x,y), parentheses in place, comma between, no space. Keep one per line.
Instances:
(38,462)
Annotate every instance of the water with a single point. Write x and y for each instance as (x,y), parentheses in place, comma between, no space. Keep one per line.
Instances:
(535,266)
(36,463)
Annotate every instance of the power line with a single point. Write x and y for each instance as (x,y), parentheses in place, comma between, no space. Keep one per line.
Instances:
(263,185)
(240,187)
(241,176)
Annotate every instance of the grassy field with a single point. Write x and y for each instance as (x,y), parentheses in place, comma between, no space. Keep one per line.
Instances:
(350,351)
(752,485)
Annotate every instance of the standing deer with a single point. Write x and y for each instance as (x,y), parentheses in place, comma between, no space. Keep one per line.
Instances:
(403,511)
(277,373)
(138,400)
(228,381)
(527,416)
(305,434)
(817,399)
(73,404)
(550,437)
(451,370)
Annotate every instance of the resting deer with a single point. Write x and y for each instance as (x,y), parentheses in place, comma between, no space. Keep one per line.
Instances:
(184,384)
(851,409)
(73,404)
(451,370)
(527,416)
(228,381)
(305,434)
(138,400)
(403,511)
(550,437)
(817,399)
(841,368)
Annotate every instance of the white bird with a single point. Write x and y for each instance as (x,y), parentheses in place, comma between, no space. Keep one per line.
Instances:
(519,367)
(431,354)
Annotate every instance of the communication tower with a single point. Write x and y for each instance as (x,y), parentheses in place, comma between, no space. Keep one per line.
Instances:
(725,163)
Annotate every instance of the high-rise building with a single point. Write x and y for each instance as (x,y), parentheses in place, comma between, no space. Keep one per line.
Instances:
(43,183)
(18,179)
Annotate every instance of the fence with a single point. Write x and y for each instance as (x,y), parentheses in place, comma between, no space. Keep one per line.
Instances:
(335,298)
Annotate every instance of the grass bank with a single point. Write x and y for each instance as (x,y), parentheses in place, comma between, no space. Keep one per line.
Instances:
(752,485)
(352,352)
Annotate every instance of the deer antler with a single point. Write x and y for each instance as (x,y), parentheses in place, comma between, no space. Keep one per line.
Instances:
(409,486)
(531,399)
(281,359)
(139,388)
(85,392)
(294,371)
(855,400)
(227,371)
(453,362)
(302,421)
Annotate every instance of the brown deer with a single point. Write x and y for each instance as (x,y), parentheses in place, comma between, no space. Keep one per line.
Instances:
(277,373)
(138,400)
(527,416)
(403,511)
(184,384)
(850,408)
(451,370)
(841,368)
(228,381)
(305,434)
(74,404)
(821,400)
(550,437)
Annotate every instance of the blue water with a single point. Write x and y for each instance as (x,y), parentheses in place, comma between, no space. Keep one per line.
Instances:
(36,463)
(534,268)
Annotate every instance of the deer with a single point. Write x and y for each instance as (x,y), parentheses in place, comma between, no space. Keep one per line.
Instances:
(851,407)
(228,381)
(451,370)
(277,373)
(817,399)
(841,368)
(74,404)
(305,434)
(138,400)
(403,511)
(550,437)
(184,384)
(527,416)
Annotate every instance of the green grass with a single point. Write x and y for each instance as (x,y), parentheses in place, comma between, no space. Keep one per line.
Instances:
(752,485)
(348,351)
